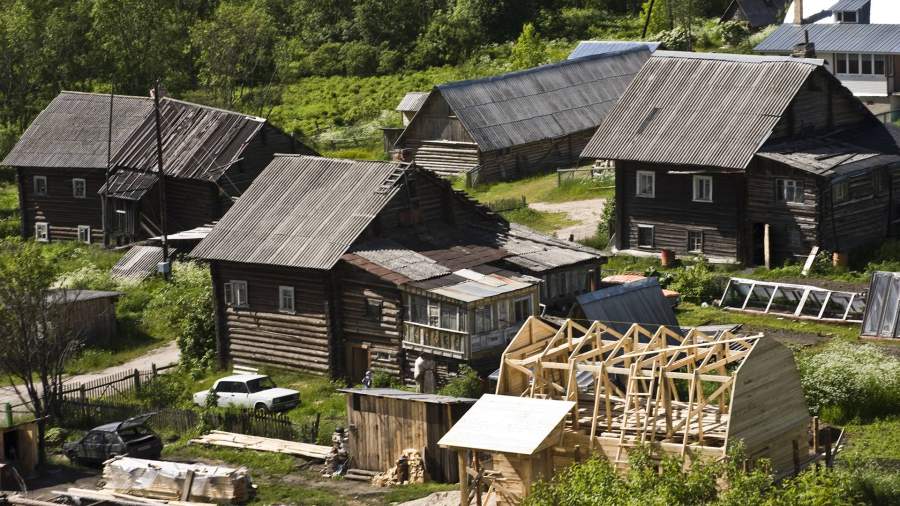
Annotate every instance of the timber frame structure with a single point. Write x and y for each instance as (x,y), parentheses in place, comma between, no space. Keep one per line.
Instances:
(680,391)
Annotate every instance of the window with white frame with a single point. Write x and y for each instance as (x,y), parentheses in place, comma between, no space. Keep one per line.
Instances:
(236,294)
(522,308)
(84,234)
(79,188)
(860,64)
(841,191)
(695,241)
(703,189)
(788,190)
(645,236)
(286,299)
(40,185)
(646,184)
(41,232)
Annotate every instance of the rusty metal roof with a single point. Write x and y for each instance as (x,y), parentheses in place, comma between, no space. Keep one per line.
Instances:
(545,102)
(700,109)
(72,131)
(302,211)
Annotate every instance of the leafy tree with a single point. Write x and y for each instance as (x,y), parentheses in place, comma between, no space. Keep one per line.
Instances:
(37,330)
(235,48)
(529,50)
(466,384)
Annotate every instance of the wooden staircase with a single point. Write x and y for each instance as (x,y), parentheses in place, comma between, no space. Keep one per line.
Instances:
(447,158)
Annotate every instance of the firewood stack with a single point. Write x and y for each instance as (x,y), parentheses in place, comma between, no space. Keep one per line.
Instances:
(410,468)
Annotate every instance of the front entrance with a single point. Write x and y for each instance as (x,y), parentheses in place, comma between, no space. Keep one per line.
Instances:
(761,245)
(358,362)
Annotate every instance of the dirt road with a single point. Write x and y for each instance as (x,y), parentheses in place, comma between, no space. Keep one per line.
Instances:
(164,355)
(586,212)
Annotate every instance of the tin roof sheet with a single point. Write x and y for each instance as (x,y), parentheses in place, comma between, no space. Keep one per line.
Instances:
(840,37)
(594,47)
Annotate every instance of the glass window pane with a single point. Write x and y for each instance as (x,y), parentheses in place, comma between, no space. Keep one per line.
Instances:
(866,64)
(853,67)
(841,63)
(879,64)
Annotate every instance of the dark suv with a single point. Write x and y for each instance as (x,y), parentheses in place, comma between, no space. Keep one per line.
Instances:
(131,437)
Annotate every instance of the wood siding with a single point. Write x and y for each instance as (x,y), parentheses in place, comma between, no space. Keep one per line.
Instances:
(59,207)
(864,218)
(532,158)
(261,335)
(435,120)
(819,106)
(673,213)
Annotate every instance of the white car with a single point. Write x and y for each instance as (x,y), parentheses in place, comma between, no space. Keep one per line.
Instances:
(252,391)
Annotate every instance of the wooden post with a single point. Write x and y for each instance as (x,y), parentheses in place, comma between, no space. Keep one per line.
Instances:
(767,245)
(7,412)
(577,454)
(815,441)
(828,462)
(796,448)
(137,380)
(153,369)
(463,478)
(477,481)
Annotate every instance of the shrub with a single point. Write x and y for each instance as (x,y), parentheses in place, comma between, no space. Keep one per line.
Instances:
(734,32)
(696,283)
(389,61)
(466,384)
(845,381)
(325,60)
(89,277)
(166,390)
(359,58)
(676,39)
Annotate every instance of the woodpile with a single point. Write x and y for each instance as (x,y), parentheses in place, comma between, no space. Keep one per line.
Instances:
(263,444)
(176,481)
(410,468)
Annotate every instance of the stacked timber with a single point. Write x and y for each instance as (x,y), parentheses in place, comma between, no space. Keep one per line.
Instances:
(175,481)
(263,444)
(447,158)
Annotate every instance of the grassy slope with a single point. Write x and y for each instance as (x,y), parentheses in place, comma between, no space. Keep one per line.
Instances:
(9,210)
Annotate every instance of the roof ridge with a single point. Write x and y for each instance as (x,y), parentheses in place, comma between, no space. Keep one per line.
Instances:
(212,108)
(541,68)
(96,94)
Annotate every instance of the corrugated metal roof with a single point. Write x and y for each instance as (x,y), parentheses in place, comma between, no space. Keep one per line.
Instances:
(138,263)
(826,156)
(756,12)
(883,306)
(820,12)
(199,142)
(412,101)
(403,261)
(539,253)
(841,37)
(72,131)
(636,302)
(700,109)
(545,102)
(302,211)
(128,184)
(476,286)
(391,393)
(849,5)
(594,47)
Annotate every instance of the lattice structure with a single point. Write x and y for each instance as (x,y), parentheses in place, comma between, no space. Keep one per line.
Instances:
(682,392)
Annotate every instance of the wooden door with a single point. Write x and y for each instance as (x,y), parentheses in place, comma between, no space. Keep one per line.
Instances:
(357,363)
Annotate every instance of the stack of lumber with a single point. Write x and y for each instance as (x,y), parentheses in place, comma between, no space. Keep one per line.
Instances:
(175,481)
(263,444)
(82,495)
(447,158)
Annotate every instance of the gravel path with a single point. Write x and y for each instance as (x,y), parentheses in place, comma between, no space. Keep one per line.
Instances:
(586,212)
(164,355)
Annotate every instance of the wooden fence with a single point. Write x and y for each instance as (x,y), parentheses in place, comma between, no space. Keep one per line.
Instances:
(564,176)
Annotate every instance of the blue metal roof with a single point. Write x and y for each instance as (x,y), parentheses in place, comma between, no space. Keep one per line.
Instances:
(594,47)
(619,306)
(835,38)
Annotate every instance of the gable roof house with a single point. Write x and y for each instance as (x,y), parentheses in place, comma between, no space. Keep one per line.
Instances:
(756,13)
(520,123)
(746,158)
(858,39)
(209,157)
(337,266)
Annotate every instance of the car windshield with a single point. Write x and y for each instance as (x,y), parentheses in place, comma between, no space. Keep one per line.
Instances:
(260,384)
(132,433)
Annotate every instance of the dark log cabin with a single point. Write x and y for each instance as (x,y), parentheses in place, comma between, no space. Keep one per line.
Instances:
(339,266)
(517,124)
(210,156)
(746,158)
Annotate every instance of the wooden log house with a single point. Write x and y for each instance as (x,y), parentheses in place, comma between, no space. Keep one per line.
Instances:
(520,123)
(210,156)
(340,266)
(746,159)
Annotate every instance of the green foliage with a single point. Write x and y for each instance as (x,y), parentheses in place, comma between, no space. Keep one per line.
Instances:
(382,379)
(676,39)
(166,391)
(845,381)
(529,50)
(733,32)
(466,384)
(697,282)
(660,18)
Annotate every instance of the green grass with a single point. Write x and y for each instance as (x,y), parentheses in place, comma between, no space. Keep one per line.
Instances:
(879,440)
(542,188)
(416,491)
(123,350)
(542,221)
(9,210)
(692,315)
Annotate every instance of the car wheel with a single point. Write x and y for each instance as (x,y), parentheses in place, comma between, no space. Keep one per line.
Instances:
(261,408)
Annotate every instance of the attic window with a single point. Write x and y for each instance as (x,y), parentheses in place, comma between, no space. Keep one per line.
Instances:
(648,119)
(846,16)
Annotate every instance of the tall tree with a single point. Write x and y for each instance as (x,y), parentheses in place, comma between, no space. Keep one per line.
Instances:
(235,48)
(529,50)
(37,332)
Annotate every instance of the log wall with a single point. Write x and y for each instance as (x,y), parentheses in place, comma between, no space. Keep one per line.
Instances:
(261,335)
(535,157)
(821,104)
(59,208)
(862,219)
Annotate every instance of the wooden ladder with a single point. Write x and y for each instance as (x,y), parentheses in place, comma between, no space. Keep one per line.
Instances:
(632,396)
(391,180)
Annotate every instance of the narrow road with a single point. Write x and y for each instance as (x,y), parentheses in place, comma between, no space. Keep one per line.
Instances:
(586,212)
(164,355)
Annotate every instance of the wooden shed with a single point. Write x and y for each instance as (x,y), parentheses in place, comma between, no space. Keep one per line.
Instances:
(383,422)
(18,453)
(90,313)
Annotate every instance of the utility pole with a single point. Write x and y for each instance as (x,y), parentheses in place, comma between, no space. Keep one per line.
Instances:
(165,266)
(105,202)
(647,19)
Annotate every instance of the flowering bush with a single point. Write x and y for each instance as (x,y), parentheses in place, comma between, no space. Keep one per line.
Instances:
(846,381)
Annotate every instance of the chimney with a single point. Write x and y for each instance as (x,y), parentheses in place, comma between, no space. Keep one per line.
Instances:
(805,49)
(798,12)
(162,92)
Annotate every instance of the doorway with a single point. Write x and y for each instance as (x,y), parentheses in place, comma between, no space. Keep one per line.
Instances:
(358,362)
(759,244)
